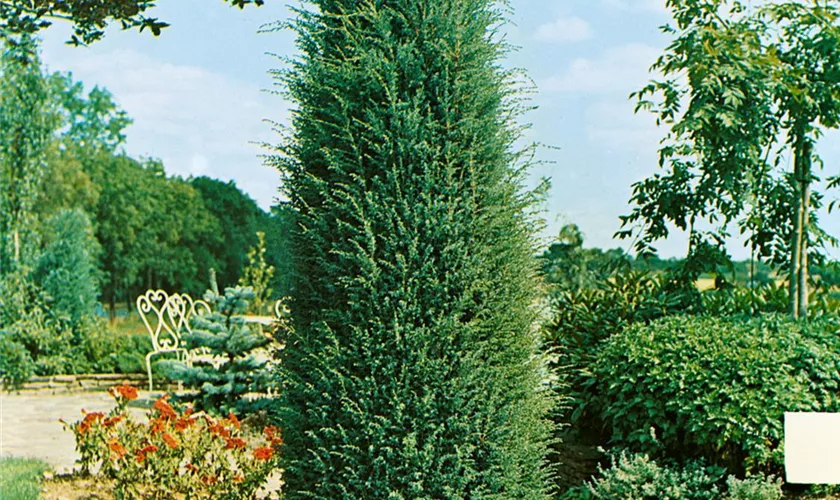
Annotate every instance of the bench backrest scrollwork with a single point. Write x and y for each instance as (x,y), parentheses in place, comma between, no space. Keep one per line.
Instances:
(167,317)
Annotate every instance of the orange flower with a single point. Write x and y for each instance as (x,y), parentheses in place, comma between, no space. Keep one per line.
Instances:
(235,421)
(220,430)
(191,468)
(164,410)
(169,440)
(157,425)
(183,423)
(208,480)
(238,478)
(141,454)
(108,422)
(117,448)
(272,434)
(127,392)
(89,420)
(235,444)
(263,453)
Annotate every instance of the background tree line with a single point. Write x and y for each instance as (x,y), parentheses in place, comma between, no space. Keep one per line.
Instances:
(141,227)
(82,223)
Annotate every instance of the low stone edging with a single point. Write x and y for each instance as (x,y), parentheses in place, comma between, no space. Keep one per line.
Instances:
(83,382)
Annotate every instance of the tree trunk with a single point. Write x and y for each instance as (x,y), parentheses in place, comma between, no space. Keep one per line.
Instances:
(805,204)
(17,247)
(796,237)
(112,310)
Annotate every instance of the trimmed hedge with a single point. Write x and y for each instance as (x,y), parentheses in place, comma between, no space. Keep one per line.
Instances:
(696,386)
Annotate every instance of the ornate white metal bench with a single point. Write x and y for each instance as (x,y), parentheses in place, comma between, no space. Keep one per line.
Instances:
(166,318)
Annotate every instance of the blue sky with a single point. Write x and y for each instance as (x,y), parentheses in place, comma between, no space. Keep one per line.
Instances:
(198,96)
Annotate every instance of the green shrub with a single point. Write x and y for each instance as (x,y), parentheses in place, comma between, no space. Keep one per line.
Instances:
(753,488)
(105,351)
(717,388)
(16,365)
(768,298)
(741,301)
(583,319)
(637,477)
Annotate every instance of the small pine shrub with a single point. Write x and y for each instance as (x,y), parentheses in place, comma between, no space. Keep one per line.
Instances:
(230,342)
(717,388)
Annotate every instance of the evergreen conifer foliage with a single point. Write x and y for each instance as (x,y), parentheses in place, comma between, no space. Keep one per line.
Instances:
(229,371)
(412,369)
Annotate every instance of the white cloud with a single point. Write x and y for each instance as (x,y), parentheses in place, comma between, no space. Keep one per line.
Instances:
(619,69)
(612,124)
(657,6)
(564,30)
(199,122)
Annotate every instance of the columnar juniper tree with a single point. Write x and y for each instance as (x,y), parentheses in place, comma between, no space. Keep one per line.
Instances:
(412,370)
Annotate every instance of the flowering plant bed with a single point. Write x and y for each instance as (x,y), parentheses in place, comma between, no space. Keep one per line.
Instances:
(173,455)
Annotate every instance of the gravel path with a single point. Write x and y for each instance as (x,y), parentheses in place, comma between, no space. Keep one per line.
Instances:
(29,425)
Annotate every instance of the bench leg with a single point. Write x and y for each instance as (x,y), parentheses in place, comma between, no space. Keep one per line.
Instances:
(149,369)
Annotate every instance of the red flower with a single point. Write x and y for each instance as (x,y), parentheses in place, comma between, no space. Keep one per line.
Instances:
(235,444)
(108,422)
(235,421)
(164,410)
(141,454)
(89,420)
(117,448)
(169,440)
(183,423)
(127,392)
(263,453)
(220,430)
(157,425)
(272,434)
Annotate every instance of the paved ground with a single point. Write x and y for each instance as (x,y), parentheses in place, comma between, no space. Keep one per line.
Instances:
(29,425)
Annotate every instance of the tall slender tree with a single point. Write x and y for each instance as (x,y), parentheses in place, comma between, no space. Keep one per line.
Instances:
(25,128)
(412,368)
(742,86)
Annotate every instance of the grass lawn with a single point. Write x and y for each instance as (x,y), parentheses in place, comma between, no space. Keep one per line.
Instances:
(19,478)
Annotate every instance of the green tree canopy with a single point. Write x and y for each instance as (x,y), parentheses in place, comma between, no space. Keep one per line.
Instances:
(89,18)
(239,219)
(742,86)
